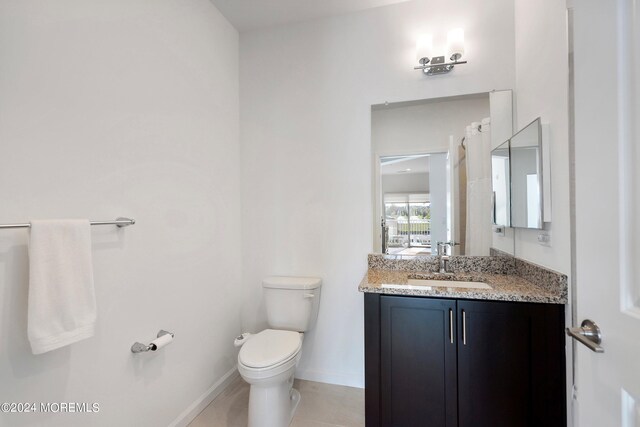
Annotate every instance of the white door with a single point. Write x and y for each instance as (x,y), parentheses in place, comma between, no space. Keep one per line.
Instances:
(607,211)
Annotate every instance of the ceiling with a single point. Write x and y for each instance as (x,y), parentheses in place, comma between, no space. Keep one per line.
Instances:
(247,15)
(399,165)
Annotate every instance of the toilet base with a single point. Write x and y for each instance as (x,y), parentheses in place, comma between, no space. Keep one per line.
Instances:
(295,399)
(274,405)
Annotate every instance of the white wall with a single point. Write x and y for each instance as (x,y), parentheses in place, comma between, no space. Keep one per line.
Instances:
(129,108)
(438,199)
(406,183)
(306,96)
(425,126)
(501,106)
(541,90)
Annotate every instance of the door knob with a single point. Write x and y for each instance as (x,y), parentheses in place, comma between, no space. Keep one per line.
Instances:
(588,334)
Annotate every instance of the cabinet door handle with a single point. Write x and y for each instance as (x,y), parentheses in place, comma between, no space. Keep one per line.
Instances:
(464,328)
(451,325)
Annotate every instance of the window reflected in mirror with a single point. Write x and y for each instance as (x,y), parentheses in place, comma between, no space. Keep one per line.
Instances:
(416,197)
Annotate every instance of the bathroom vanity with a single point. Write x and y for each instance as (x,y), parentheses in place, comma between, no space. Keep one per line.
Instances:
(450,355)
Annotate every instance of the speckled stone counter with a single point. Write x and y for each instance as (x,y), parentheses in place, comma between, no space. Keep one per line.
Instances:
(511,279)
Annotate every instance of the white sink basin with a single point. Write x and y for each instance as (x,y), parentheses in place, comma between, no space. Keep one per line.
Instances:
(422,283)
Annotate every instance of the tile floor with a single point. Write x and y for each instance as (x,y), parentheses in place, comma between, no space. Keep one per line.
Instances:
(321,405)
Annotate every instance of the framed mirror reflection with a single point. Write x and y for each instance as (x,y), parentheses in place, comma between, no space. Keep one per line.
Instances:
(432,180)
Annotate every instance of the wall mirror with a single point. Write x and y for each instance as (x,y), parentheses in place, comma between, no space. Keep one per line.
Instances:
(501,185)
(432,178)
(526,177)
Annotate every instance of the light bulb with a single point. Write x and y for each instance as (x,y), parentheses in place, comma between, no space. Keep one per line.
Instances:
(455,44)
(424,48)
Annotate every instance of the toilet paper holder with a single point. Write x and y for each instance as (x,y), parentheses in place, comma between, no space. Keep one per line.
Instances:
(138,347)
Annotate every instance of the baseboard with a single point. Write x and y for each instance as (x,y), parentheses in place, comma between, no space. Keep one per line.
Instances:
(338,378)
(205,399)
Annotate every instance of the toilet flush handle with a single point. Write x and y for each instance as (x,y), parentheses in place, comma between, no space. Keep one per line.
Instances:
(309,295)
(241,339)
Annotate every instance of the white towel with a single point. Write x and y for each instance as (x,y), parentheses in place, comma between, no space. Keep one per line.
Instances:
(62,303)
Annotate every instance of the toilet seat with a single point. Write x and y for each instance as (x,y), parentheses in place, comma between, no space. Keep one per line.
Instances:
(269,349)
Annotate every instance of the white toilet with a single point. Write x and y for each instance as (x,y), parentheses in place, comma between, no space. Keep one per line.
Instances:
(267,360)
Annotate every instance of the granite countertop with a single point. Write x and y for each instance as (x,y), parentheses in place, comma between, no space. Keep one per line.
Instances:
(505,287)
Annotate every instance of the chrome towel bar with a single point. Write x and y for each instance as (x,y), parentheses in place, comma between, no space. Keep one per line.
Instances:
(120,222)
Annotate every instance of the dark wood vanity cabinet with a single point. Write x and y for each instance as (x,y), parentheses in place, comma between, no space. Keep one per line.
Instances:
(417,362)
(433,362)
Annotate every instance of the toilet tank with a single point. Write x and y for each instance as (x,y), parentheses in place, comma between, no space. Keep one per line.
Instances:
(292,302)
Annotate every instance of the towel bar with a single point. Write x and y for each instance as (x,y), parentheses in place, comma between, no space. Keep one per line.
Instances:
(120,222)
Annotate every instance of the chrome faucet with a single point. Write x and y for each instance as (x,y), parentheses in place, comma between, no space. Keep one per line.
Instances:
(444,264)
(442,253)
(441,248)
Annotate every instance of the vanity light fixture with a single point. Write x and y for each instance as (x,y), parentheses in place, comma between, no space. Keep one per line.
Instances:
(432,65)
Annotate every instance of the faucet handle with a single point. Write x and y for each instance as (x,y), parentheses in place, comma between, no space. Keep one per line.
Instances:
(442,247)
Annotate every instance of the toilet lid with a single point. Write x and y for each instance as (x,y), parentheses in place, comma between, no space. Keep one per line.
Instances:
(269,348)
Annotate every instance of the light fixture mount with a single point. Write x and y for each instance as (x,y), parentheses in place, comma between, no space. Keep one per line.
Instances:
(437,65)
(434,65)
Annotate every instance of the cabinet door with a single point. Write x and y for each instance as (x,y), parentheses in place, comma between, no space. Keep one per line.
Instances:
(510,365)
(418,362)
